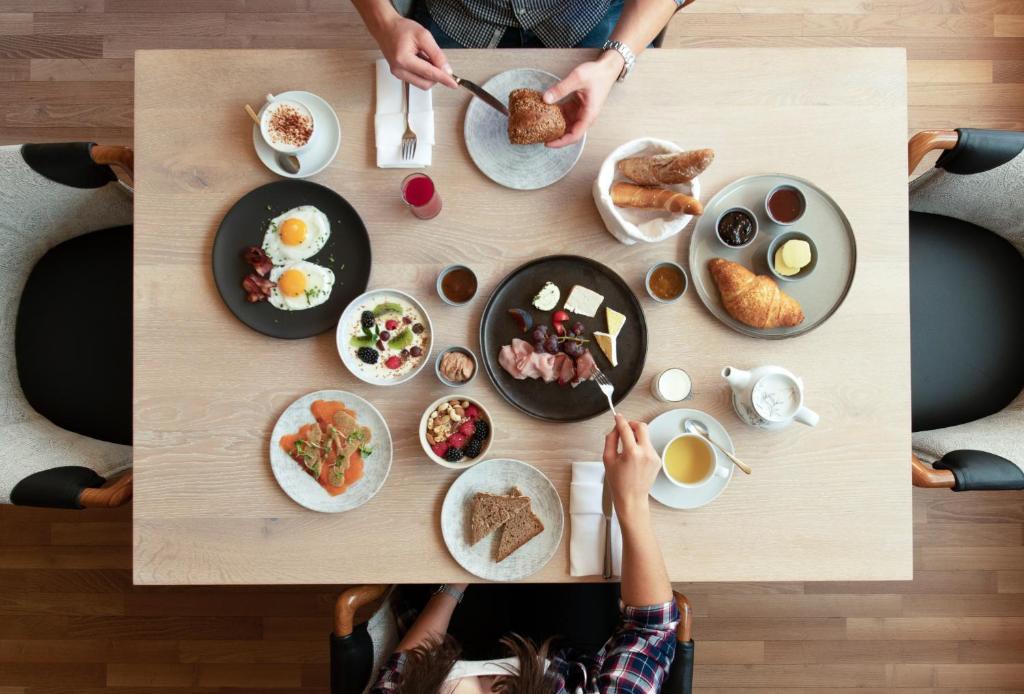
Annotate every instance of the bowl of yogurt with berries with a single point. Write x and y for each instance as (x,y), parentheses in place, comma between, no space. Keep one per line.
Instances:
(384,337)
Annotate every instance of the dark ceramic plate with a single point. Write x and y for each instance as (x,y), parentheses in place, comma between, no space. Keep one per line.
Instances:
(347,253)
(549,401)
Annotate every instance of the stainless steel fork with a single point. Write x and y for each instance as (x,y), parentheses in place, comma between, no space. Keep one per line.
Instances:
(606,387)
(409,138)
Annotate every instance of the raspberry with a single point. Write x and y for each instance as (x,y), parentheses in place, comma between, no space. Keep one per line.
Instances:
(439,449)
(473,448)
(453,455)
(367,354)
(391,324)
(457,440)
(467,429)
(393,362)
(482,430)
(473,412)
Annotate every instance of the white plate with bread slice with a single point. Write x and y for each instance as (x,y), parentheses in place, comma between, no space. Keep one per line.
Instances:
(649,190)
(502,520)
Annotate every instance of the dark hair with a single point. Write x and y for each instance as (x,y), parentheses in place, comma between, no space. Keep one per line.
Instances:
(428,664)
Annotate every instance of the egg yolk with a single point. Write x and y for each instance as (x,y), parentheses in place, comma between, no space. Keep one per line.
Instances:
(293,232)
(292,282)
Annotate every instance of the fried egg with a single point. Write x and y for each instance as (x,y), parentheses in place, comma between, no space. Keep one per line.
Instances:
(300,285)
(297,234)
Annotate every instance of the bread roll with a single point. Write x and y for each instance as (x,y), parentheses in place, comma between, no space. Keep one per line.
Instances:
(667,169)
(629,195)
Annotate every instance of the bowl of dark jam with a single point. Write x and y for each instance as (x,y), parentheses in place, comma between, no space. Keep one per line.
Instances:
(737,227)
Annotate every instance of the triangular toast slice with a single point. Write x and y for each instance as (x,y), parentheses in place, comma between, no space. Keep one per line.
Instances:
(490,511)
(518,530)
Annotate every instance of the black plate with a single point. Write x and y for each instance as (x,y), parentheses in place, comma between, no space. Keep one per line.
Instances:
(245,224)
(549,401)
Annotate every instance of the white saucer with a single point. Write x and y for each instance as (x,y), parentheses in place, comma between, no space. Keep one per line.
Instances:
(321,152)
(666,427)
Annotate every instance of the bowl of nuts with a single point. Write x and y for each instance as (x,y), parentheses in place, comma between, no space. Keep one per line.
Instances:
(456,432)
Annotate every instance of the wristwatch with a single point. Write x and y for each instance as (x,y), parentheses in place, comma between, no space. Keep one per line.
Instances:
(446,589)
(627,56)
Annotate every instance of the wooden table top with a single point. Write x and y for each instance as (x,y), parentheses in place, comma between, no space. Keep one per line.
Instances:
(828,503)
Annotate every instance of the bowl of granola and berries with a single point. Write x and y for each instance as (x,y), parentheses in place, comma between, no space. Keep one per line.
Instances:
(456,432)
(384,337)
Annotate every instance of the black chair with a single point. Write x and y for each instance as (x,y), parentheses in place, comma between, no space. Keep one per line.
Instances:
(353,648)
(65,297)
(967,310)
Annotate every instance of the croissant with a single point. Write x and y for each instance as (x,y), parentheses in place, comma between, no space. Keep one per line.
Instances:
(755,300)
(667,168)
(629,195)
(530,120)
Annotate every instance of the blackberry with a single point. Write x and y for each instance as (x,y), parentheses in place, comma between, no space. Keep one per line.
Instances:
(453,455)
(367,320)
(367,354)
(474,447)
(483,430)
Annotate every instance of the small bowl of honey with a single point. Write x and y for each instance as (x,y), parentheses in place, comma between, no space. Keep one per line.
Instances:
(666,282)
(456,285)
(785,204)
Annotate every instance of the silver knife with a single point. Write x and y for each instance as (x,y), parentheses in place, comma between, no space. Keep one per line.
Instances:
(482,94)
(606,511)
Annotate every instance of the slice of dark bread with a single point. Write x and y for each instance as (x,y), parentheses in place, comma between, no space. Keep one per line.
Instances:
(522,527)
(490,511)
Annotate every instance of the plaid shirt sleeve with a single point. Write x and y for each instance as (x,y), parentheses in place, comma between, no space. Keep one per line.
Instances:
(390,675)
(637,656)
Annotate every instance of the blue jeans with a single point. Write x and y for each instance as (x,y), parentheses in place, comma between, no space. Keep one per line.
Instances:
(524,38)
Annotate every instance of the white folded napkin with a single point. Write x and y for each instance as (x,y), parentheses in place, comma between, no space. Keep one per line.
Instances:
(586,540)
(389,123)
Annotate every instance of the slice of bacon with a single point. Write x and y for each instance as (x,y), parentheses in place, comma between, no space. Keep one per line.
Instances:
(257,257)
(257,288)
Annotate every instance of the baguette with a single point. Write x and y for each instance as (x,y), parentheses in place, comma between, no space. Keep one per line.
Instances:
(667,169)
(645,197)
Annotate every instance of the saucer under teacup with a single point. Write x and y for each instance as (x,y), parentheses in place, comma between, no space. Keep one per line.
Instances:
(666,427)
(321,150)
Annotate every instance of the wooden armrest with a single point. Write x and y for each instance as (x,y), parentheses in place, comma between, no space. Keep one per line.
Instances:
(926,141)
(350,601)
(114,155)
(927,476)
(114,493)
(684,630)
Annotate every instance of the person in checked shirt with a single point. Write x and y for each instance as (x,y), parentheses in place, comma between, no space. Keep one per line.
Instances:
(634,659)
(414,47)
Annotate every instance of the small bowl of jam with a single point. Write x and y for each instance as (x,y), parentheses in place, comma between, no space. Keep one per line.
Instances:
(737,227)
(666,282)
(456,285)
(785,204)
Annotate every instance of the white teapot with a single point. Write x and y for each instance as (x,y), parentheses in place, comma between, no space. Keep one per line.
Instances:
(768,397)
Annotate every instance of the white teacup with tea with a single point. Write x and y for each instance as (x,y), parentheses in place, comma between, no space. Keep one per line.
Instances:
(287,125)
(689,461)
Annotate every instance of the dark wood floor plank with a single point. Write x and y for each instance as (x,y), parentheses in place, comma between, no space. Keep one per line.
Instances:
(51,46)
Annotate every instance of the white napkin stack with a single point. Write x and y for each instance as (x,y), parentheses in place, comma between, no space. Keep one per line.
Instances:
(586,540)
(389,123)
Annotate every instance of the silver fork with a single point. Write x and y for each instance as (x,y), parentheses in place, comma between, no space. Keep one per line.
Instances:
(409,138)
(606,386)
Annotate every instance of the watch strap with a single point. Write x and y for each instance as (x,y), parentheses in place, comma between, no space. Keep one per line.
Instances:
(628,57)
(445,589)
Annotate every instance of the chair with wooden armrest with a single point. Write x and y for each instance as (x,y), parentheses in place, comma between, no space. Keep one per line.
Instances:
(65,297)
(967,321)
(364,636)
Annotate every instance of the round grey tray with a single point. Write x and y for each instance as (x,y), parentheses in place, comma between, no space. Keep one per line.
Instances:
(820,293)
(522,167)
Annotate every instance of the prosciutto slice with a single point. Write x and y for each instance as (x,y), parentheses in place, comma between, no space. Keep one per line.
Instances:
(521,362)
(257,288)
(257,257)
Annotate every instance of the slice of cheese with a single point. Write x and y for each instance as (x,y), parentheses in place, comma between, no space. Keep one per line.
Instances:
(607,343)
(615,321)
(583,301)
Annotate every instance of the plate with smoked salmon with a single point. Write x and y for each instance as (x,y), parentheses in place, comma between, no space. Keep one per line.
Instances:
(330,451)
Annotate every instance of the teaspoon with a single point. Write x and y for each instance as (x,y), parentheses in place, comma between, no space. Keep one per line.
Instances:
(288,162)
(692,426)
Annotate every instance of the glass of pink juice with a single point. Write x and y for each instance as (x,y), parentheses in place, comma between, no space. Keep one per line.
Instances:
(420,195)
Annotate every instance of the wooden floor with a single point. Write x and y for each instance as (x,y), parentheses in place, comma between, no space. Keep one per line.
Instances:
(70,621)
